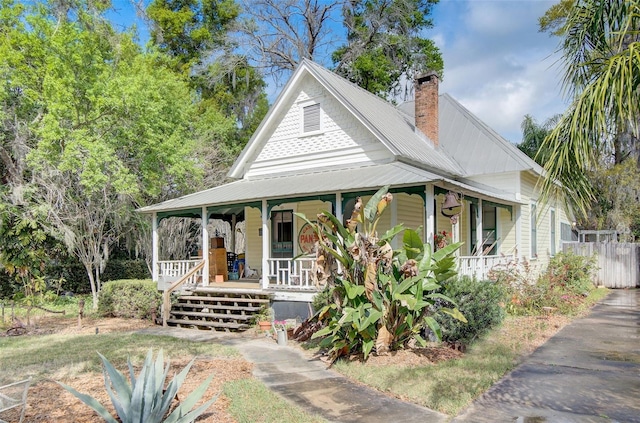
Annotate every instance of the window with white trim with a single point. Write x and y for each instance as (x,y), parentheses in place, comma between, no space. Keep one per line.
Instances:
(534,231)
(311,118)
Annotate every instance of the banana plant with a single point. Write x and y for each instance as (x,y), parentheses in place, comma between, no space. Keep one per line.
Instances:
(381,298)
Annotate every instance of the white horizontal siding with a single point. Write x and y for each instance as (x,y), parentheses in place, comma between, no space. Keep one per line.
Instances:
(253,240)
(506,231)
(506,181)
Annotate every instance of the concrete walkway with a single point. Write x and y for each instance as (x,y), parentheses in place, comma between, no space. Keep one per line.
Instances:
(588,372)
(308,383)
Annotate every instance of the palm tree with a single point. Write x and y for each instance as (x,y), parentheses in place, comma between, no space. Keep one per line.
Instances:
(533,135)
(601,56)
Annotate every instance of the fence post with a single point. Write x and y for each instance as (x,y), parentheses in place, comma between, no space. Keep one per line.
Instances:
(80,312)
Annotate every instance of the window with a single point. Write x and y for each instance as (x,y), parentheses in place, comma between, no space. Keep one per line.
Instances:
(282,233)
(489,228)
(552,247)
(311,118)
(566,233)
(534,231)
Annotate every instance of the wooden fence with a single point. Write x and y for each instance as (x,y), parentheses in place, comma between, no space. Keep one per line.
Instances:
(618,263)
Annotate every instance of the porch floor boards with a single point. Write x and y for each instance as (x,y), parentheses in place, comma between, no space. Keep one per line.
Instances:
(221,309)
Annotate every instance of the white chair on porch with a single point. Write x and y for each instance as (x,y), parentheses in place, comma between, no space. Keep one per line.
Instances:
(14,395)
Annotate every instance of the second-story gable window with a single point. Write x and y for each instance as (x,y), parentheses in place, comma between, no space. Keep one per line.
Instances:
(311,118)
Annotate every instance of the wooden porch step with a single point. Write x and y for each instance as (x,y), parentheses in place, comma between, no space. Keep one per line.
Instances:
(223,299)
(205,324)
(250,309)
(212,315)
(212,309)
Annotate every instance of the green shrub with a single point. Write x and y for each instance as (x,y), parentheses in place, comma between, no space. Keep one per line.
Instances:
(481,302)
(563,286)
(129,298)
(125,269)
(567,282)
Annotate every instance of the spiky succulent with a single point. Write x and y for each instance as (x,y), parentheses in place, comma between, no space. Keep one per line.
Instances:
(145,399)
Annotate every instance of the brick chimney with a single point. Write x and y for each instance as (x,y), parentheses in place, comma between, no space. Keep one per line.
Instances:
(426,104)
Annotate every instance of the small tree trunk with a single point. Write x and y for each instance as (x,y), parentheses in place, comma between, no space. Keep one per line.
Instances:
(94,289)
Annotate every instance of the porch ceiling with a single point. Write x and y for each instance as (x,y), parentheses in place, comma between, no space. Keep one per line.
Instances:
(396,174)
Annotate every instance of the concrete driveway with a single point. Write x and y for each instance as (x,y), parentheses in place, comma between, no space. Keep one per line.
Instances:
(588,372)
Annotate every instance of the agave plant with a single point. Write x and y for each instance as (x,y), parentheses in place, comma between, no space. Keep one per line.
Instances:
(145,399)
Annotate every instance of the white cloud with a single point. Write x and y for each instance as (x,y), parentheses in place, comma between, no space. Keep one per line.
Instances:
(497,64)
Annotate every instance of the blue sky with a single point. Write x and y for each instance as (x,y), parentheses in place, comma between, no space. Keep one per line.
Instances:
(496,62)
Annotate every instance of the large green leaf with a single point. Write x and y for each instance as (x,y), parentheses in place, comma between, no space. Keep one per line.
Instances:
(388,236)
(371,209)
(449,249)
(455,313)
(342,231)
(367,346)
(327,330)
(434,326)
(412,244)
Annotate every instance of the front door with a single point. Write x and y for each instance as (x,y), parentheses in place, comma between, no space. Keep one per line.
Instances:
(282,234)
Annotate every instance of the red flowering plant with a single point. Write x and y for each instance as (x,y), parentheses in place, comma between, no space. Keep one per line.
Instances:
(441,239)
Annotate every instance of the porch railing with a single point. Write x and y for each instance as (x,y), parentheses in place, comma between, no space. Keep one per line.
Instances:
(170,271)
(289,273)
(189,277)
(479,266)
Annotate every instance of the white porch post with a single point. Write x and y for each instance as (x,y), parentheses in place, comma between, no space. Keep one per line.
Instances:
(233,233)
(518,213)
(154,248)
(338,213)
(266,237)
(429,216)
(480,237)
(205,246)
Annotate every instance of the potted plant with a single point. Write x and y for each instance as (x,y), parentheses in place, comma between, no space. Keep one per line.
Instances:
(264,318)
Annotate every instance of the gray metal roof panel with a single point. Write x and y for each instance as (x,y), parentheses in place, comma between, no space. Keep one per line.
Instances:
(477,148)
(297,185)
(326,182)
(392,125)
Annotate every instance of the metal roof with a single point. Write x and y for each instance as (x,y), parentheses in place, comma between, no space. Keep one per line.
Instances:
(385,120)
(300,185)
(317,183)
(478,149)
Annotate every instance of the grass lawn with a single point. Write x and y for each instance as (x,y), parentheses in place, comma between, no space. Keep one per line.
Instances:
(448,385)
(63,352)
(451,385)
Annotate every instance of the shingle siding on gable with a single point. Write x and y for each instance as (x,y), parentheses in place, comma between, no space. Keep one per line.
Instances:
(342,141)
